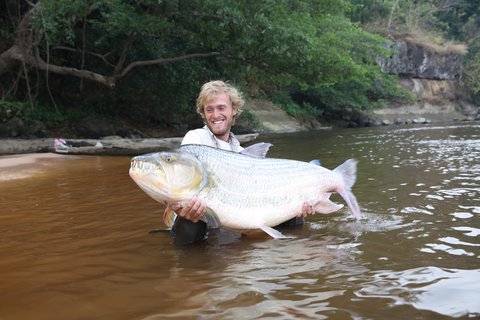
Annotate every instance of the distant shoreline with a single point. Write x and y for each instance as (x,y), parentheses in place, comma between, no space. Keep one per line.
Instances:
(115,145)
(109,145)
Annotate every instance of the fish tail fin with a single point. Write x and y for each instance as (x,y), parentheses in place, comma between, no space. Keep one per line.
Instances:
(352,203)
(348,172)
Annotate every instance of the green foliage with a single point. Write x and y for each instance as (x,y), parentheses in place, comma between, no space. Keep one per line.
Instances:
(367,11)
(284,101)
(250,119)
(347,74)
(461,19)
(299,111)
(309,49)
(472,73)
(11,109)
(401,16)
(23,110)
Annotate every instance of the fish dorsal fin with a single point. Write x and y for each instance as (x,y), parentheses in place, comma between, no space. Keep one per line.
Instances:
(316,162)
(257,150)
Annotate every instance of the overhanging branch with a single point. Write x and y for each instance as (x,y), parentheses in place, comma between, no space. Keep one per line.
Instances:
(23,51)
(19,54)
(135,64)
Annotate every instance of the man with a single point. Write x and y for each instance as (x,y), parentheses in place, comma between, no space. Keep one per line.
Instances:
(219,104)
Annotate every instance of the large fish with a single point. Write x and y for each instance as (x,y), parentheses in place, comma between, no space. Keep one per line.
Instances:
(243,191)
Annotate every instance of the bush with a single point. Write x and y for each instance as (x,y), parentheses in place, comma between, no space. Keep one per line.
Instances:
(29,114)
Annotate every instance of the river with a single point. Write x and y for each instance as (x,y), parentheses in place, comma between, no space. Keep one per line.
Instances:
(75,241)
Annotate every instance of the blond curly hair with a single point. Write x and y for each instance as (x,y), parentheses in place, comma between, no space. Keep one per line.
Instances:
(211,89)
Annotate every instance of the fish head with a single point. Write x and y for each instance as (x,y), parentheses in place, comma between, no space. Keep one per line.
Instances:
(168,176)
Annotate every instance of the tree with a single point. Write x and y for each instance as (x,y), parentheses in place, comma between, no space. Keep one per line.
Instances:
(57,48)
(47,27)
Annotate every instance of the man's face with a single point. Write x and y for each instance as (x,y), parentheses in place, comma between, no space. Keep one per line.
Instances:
(219,115)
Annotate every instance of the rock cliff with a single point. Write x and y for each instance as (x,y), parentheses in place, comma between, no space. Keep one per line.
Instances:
(415,59)
(432,74)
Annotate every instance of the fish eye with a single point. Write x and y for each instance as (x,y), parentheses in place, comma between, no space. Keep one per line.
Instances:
(168,157)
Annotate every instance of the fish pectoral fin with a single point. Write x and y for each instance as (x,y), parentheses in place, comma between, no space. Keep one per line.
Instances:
(169,217)
(326,206)
(211,219)
(274,233)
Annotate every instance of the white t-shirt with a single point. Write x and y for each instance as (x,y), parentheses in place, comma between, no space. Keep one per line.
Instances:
(206,137)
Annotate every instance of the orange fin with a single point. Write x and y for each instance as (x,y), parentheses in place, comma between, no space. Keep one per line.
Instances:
(169,217)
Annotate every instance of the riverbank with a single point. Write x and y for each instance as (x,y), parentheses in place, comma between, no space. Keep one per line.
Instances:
(422,113)
(104,146)
(24,165)
(271,120)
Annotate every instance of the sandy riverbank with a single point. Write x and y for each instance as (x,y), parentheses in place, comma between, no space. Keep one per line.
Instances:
(19,160)
(20,166)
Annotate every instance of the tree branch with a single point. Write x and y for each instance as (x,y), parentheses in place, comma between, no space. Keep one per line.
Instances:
(123,56)
(163,61)
(102,57)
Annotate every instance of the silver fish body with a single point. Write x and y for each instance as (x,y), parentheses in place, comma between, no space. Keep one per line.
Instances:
(243,192)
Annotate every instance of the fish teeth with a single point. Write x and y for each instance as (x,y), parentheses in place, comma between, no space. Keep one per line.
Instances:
(142,165)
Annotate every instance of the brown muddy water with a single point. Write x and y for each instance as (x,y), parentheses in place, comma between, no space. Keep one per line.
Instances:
(75,241)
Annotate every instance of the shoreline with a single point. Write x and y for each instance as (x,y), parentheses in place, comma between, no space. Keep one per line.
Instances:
(115,145)
(26,155)
(104,146)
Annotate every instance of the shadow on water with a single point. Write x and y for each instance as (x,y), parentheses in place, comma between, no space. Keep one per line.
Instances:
(75,239)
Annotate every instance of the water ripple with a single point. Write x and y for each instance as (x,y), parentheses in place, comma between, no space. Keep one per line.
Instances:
(449,292)
(471,232)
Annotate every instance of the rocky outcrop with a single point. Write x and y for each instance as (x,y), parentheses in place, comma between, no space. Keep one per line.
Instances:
(418,60)
(431,73)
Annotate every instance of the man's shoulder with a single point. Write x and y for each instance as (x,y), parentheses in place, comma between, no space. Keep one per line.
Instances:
(200,132)
(197,136)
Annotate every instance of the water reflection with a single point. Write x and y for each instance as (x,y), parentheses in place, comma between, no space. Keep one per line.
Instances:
(265,279)
(75,241)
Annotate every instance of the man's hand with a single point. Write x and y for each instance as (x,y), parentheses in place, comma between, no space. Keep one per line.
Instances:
(193,210)
(306,210)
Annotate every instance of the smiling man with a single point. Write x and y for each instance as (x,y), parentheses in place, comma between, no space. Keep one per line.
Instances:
(219,104)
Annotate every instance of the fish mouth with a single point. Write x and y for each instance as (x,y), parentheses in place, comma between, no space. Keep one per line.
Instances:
(141,166)
(167,176)
(150,177)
